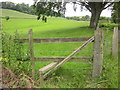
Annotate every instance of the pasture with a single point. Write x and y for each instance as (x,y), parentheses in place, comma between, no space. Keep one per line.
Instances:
(71,74)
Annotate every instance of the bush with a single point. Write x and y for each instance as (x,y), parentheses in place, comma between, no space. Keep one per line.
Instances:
(13,53)
(7,18)
(107,26)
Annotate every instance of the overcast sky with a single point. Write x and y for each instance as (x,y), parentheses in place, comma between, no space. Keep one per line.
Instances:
(69,11)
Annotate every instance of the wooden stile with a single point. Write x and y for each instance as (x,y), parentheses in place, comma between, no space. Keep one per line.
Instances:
(98,53)
(30,34)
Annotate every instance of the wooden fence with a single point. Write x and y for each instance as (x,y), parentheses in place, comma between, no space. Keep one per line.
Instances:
(97,57)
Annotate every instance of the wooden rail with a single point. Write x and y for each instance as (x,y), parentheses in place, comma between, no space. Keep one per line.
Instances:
(55,40)
(73,59)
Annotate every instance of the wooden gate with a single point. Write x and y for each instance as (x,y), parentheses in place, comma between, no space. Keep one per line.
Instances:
(58,61)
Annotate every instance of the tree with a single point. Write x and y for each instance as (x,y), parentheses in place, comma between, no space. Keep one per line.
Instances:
(116,13)
(25,8)
(58,8)
(87,17)
(8,5)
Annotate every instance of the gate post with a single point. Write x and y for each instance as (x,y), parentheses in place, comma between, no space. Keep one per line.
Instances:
(30,34)
(98,53)
(115,43)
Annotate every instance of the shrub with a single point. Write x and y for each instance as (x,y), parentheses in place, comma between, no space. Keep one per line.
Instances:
(14,54)
(7,18)
(107,26)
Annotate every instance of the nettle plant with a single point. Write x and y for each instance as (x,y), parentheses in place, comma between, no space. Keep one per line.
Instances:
(13,53)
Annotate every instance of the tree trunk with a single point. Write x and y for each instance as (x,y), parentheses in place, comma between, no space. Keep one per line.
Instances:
(94,19)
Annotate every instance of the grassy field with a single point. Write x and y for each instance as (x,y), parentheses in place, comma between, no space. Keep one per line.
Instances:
(71,74)
(15,14)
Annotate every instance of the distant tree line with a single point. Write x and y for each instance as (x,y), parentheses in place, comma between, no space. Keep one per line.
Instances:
(83,18)
(87,18)
(25,8)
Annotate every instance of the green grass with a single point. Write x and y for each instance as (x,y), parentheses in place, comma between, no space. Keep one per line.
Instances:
(71,74)
(15,14)
(55,27)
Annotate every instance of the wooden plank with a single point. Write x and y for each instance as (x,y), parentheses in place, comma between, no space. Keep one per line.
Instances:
(98,53)
(56,40)
(31,50)
(73,59)
(115,43)
(49,66)
(69,57)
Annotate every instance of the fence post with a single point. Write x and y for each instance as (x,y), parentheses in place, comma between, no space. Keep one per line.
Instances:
(115,43)
(98,53)
(30,34)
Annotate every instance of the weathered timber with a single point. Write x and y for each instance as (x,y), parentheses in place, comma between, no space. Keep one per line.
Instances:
(73,59)
(43,70)
(56,40)
(68,57)
(98,53)
(115,43)
(49,66)
(41,79)
(31,50)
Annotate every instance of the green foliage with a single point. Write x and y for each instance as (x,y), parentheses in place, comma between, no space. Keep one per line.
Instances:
(74,18)
(48,8)
(116,13)
(104,20)
(13,52)
(107,26)
(105,23)
(83,18)
(7,18)
(25,8)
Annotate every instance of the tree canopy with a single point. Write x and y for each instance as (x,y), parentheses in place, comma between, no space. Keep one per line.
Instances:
(25,8)
(116,13)
(58,8)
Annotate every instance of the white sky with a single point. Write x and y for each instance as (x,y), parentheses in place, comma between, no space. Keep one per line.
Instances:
(69,11)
